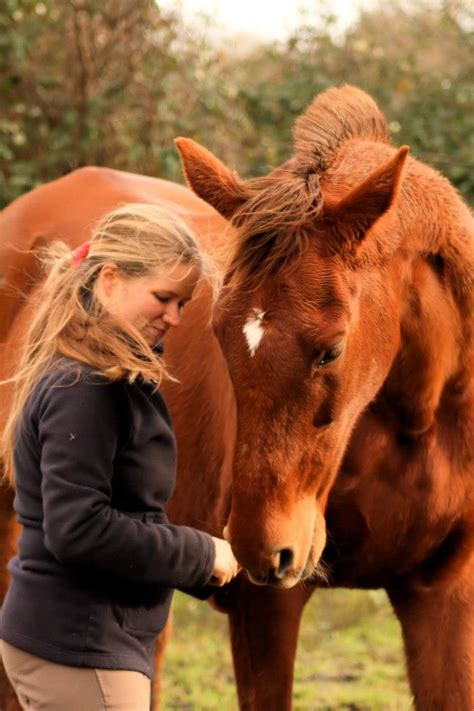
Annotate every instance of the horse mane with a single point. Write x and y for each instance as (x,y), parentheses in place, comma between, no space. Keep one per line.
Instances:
(334,117)
(272,224)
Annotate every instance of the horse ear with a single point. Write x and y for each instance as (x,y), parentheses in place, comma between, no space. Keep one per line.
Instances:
(362,206)
(210,179)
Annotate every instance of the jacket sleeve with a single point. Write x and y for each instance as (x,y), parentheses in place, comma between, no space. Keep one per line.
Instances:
(79,432)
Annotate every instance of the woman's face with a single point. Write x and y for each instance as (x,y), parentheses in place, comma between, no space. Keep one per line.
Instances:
(151,303)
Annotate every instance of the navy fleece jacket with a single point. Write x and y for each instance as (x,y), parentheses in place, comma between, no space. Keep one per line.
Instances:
(98,560)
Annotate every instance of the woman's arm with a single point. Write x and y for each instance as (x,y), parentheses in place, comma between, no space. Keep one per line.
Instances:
(79,432)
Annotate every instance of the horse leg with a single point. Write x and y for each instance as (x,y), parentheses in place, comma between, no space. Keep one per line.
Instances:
(438,632)
(9,531)
(160,649)
(264,624)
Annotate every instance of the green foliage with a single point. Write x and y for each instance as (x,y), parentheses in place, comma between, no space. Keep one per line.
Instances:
(112,82)
(417,62)
(104,82)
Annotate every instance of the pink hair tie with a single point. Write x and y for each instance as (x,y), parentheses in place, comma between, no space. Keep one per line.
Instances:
(80,254)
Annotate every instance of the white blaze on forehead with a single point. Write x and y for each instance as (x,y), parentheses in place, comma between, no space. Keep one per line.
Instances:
(253,330)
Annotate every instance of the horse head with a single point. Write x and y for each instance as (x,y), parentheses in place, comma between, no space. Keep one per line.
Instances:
(308,320)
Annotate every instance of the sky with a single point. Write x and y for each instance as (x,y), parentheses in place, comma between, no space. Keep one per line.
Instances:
(265,19)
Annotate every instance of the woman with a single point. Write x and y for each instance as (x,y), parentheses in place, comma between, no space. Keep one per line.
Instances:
(91,447)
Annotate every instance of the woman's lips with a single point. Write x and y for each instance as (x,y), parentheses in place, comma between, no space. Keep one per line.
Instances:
(158,332)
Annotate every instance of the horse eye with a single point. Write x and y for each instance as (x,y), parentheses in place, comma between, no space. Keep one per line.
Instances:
(329,355)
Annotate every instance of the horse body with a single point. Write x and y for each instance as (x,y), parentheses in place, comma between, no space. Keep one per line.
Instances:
(335,399)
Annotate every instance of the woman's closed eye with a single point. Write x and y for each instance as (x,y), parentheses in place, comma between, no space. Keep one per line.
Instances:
(166,299)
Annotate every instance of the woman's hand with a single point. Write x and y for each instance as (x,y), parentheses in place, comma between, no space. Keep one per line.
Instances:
(225,565)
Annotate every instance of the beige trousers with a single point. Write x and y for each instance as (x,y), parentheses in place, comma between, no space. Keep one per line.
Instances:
(46,686)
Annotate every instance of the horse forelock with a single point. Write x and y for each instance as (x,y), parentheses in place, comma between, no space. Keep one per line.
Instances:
(272,225)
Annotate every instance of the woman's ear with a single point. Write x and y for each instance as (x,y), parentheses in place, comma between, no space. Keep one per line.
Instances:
(107,281)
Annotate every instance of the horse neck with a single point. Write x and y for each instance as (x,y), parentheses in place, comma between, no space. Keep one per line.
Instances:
(433,369)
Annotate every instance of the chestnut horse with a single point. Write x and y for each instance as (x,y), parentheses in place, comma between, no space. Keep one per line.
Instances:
(335,400)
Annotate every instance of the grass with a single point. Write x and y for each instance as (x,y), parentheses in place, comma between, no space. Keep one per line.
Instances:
(349,657)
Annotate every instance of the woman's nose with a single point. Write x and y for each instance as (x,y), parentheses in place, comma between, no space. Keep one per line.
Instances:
(172,316)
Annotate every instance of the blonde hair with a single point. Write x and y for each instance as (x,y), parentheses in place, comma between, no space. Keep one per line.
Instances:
(70,321)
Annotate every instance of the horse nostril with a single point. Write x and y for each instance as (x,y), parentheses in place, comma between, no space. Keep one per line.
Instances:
(286,557)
